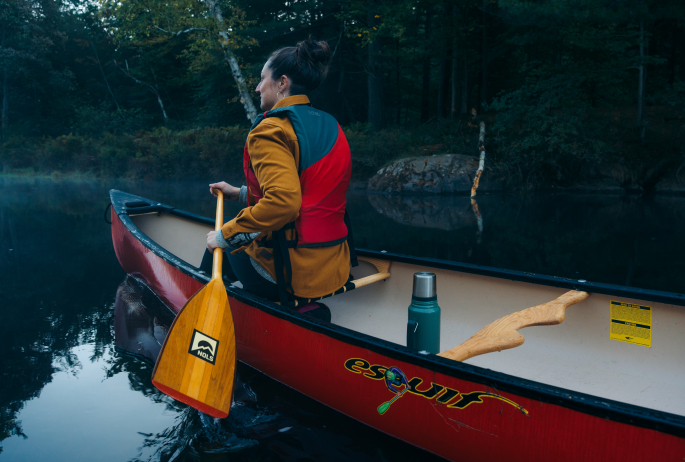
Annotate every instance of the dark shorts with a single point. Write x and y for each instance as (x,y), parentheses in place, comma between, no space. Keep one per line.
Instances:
(238,267)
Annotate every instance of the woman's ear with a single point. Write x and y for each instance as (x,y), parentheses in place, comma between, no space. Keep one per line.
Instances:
(285,83)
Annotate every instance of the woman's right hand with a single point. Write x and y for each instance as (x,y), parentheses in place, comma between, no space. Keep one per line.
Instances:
(230,192)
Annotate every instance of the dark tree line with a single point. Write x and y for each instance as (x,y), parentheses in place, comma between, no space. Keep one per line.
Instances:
(555,78)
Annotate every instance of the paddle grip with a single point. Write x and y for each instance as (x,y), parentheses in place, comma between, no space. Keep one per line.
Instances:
(218,223)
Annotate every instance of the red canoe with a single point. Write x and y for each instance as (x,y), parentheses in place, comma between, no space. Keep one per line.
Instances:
(593,388)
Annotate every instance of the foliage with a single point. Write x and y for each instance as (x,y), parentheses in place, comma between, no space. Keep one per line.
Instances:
(93,121)
(557,80)
(160,153)
(674,95)
(30,43)
(371,150)
(545,131)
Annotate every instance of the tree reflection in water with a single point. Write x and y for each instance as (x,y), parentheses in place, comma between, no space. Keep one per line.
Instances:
(267,420)
(59,276)
(615,239)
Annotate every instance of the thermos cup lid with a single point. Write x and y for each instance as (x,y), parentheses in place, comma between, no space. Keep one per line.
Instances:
(424,286)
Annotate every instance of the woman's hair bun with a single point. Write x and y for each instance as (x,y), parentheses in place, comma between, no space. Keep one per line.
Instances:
(306,65)
(314,52)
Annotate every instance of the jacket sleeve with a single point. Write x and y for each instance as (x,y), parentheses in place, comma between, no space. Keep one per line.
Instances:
(274,165)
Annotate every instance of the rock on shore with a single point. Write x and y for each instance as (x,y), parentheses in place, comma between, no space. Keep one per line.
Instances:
(670,185)
(445,173)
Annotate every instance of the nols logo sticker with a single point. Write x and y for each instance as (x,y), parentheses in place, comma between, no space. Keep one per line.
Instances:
(203,346)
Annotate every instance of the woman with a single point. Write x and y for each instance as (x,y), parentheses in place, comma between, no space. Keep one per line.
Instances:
(290,241)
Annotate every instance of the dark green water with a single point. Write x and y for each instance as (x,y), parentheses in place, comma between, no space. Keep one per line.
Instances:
(67,394)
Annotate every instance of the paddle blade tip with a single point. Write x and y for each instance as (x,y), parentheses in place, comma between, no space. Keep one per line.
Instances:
(199,405)
(383,408)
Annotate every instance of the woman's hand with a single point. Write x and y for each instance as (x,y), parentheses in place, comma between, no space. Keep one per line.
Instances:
(211,241)
(230,192)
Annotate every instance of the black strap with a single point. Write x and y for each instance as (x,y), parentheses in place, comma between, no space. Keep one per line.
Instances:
(281,263)
(322,244)
(350,240)
(286,260)
(294,243)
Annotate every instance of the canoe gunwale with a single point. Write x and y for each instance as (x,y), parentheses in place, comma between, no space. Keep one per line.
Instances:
(617,411)
(670,298)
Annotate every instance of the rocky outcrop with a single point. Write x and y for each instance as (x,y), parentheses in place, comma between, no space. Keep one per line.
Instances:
(670,186)
(442,174)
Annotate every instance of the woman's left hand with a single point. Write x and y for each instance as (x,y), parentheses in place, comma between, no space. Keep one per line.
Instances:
(211,241)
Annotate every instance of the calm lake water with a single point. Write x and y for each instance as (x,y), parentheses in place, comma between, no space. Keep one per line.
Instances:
(67,393)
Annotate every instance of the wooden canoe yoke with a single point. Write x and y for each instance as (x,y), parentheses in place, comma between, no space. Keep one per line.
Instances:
(503,333)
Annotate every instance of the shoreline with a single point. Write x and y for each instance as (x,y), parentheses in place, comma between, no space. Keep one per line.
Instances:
(674,189)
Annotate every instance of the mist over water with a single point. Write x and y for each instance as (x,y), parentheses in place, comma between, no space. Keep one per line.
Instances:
(77,336)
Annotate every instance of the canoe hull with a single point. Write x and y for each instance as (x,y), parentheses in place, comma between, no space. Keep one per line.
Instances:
(451,409)
(166,280)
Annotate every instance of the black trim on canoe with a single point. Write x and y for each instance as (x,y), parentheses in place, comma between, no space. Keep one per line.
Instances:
(601,407)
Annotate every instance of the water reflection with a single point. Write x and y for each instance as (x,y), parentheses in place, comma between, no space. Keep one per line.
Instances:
(267,420)
(65,389)
(140,328)
(625,240)
(479,220)
(91,409)
(54,278)
(447,213)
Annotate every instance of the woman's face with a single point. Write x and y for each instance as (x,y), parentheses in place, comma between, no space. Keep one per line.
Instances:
(268,89)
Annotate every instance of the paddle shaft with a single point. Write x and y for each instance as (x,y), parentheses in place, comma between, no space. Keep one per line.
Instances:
(218,223)
(382,409)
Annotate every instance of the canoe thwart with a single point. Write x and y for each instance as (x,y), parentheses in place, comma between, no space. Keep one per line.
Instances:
(383,268)
(503,334)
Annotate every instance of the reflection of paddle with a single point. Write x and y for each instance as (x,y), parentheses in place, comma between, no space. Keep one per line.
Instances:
(503,333)
(385,406)
(197,363)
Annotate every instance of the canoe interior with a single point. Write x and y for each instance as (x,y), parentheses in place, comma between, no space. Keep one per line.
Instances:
(577,354)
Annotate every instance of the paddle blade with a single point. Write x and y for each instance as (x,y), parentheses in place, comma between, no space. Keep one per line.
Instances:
(197,363)
(384,407)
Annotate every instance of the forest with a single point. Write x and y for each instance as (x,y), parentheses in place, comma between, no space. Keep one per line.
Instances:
(570,90)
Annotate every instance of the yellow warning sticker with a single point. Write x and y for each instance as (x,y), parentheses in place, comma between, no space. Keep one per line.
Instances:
(631,323)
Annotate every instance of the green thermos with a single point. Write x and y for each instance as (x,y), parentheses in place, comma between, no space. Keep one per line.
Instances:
(423,326)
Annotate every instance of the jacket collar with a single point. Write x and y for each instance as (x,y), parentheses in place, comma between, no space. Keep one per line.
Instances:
(295,100)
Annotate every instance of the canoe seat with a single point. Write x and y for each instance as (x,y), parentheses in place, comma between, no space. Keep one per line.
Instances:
(382,266)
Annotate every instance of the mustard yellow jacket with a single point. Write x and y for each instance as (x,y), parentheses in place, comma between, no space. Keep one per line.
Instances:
(274,156)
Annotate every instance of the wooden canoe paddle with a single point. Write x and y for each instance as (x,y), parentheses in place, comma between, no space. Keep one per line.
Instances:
(503,333)
(197,362)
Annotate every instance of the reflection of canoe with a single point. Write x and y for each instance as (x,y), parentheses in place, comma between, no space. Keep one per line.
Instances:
(569,393)
(140,326)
